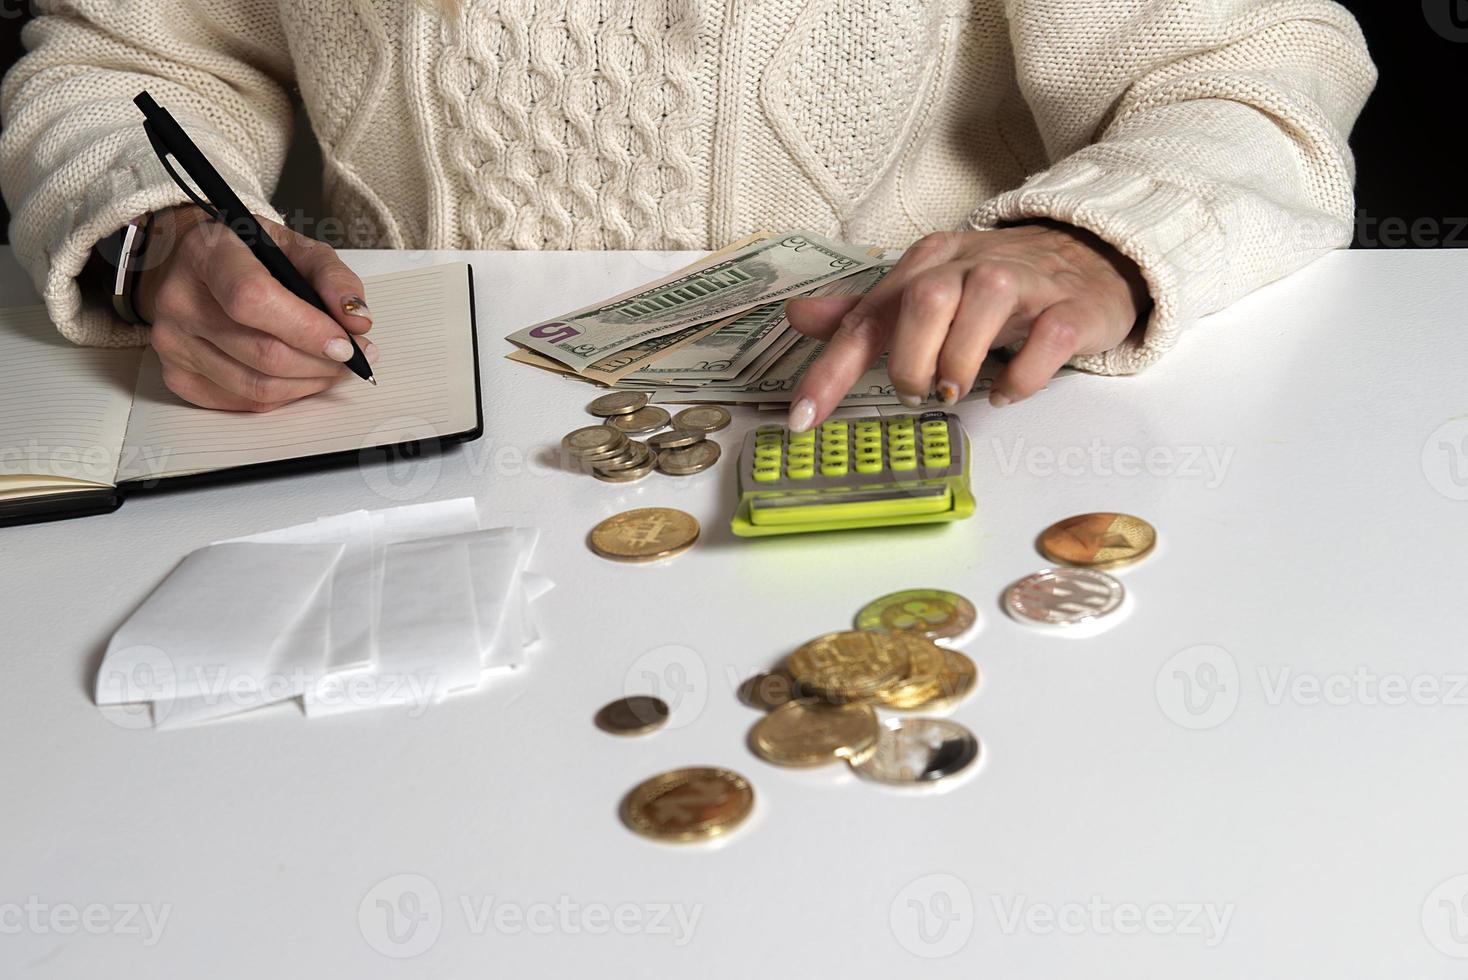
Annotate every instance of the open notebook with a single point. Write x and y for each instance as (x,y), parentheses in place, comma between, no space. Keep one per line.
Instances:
(81,426)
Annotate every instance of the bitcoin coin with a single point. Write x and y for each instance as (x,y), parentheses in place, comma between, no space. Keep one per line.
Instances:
(618,403)
(686,462)
(686,805)
(649,419)
(644,534)
(1098,540)
(674,439)
(635,715)
(919,750)
(704,418)
(811,732)
(592,440)
(933,613)
(1064,596)
(853,665)
(921,684)
(768,691)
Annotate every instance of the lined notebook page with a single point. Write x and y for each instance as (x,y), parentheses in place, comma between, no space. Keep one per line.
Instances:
(63,408)
(425,388)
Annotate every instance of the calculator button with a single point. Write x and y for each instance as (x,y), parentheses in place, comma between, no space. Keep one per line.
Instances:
(935,427)
(800,471)
(806,438)
(766,474)
(869,464)
(833,467)
(833,427)
(868,428)
(766,430)
(937,461)
(903,462)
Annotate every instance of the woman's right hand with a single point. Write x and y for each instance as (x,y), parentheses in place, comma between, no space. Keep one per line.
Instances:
(231,337)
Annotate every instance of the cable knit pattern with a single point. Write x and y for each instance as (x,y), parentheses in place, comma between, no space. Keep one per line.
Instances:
(1205,139)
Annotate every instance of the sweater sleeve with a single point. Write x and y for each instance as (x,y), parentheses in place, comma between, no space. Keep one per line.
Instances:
(75,163)
(1205,141)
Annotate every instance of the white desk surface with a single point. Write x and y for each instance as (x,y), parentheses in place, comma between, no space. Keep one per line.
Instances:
(1320,817)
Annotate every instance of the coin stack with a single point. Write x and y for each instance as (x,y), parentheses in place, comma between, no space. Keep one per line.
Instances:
(612,456)
(823,702)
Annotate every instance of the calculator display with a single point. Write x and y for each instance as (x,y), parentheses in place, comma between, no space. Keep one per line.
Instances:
(847,473)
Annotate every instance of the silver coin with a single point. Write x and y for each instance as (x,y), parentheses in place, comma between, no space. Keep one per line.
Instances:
(919,750)
(627,475)
(591,440)
(618,403)
(685,462)
(1064,596)
(674,439)
(647,419)
(705,418)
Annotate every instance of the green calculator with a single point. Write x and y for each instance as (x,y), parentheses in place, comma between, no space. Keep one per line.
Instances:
(850,473)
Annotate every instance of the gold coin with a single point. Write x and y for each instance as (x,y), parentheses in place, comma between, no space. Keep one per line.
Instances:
(767,691)
(1098,540)
(688,804)
(811,732)
(635,715)
(704,418)
(955,681)
(636,454)
(922,681)
(933,613)
(644,534)
(686,462)
(591,440)
(649,419)
(674,439)
(630,474)
(852,665)
(618,403)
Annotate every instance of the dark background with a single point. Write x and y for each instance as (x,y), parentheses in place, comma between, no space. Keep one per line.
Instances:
(1408,174)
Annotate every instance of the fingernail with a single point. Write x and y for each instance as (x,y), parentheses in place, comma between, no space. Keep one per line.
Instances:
(947,392)
(356,306)
(802,414)
(338,349)
(998,400)
(370,352)
(911,401)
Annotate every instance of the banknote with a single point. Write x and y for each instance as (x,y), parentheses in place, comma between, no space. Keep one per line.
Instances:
(773,269)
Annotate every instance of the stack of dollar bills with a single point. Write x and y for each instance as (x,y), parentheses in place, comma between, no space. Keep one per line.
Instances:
(716,331)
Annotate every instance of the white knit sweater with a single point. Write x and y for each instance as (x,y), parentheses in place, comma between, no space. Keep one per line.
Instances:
(1206,139)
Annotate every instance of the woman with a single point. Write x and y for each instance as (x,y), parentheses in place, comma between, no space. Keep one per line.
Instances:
(1079,177)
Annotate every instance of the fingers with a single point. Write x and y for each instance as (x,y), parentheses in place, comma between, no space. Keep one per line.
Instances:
(1053,339)
(250,296)
(819,316)
(990,298)
(247,384)
(849,352)
(340,288)
(199,390)
(262,352)
(928,307)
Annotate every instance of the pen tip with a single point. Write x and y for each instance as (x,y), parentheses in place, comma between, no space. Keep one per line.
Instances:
(372,380)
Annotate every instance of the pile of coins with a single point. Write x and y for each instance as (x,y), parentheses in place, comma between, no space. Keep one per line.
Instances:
(823,703)
(610,454)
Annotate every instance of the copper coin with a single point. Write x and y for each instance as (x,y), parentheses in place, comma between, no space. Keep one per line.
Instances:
(1100,540)
(635,715)
(686,805)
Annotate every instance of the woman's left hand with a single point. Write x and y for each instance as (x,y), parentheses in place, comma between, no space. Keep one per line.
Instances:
(955,295)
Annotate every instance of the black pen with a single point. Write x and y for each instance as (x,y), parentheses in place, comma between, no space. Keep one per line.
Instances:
(169,139)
